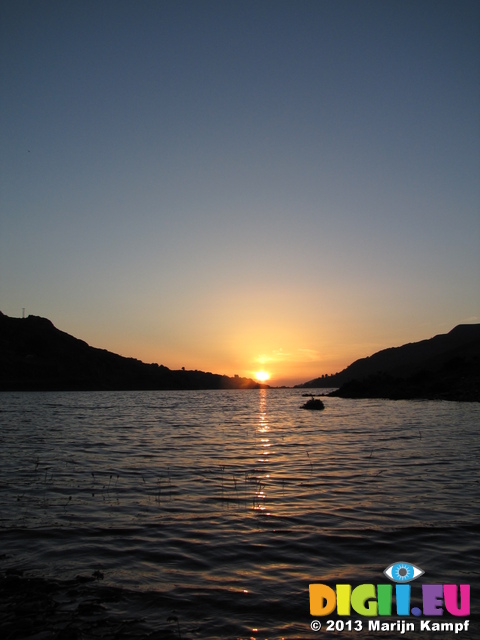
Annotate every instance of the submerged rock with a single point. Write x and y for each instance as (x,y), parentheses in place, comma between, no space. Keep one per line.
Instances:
(314,404)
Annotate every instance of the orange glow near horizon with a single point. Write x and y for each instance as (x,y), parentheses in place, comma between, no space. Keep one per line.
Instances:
(247,352)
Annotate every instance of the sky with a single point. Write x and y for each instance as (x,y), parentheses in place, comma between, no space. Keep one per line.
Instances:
(241,185)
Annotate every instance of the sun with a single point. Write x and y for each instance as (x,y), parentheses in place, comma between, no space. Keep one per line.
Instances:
(262,376)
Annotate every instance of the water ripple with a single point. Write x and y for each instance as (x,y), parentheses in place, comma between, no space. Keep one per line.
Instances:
(229,503)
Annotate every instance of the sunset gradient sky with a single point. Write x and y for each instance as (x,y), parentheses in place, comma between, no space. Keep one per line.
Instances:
(244,184)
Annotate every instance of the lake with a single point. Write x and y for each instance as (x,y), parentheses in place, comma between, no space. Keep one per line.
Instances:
(211,512)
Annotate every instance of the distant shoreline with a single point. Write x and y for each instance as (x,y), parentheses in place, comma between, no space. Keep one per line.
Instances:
(35,356)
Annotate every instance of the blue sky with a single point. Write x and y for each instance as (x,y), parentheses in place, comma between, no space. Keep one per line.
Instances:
(239,185)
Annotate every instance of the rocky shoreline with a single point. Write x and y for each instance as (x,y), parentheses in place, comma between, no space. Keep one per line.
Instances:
(36,608)
(464,387)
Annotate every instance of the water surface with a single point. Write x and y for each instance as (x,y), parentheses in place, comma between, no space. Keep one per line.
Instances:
(220,507)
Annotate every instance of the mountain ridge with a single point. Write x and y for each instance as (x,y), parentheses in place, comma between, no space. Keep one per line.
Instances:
(446,366)
(36,356)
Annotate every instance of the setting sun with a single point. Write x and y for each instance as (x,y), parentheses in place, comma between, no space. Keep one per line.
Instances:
(262,376)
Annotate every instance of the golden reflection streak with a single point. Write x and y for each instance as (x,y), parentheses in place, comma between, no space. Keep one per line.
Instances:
(262,429)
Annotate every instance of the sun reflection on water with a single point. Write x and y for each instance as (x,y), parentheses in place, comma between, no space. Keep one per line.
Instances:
(234,500)
(262,430)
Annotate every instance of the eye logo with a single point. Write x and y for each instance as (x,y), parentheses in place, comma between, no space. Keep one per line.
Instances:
(403,572)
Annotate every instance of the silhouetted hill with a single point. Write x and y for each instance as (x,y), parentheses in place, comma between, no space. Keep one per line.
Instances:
(444,367)
(36,356)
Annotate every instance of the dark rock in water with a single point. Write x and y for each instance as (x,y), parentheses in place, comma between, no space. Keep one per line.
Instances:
(314,404)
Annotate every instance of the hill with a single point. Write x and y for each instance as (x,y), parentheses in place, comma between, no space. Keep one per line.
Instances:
(446,366)
(36,356)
